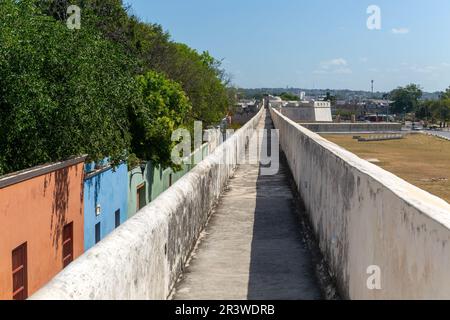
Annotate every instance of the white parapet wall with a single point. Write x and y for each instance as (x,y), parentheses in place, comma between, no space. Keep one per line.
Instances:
(344,127)
(383,238)
(316,111)
(144,257)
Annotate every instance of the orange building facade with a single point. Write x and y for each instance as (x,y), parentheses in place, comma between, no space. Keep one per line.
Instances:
(41,225)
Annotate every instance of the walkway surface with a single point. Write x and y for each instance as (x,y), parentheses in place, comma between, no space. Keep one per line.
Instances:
(252,248)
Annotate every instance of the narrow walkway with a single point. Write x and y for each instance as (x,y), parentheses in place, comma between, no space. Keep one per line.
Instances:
(252,248)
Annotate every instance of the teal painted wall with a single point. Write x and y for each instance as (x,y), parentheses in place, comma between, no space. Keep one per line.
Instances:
(156,180)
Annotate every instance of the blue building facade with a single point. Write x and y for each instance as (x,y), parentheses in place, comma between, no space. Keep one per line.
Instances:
(105,202)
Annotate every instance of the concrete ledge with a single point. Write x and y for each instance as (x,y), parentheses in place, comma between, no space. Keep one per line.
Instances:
(435,135)
(27,174)
(144,257)
(364,216)
(352,127)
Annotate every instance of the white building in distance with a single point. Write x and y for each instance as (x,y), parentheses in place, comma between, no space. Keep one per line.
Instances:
(302,111)
(302,96)
(275,102)
(309,111)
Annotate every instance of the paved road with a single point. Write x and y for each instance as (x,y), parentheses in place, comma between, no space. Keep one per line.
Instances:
(445,134)
(252,247)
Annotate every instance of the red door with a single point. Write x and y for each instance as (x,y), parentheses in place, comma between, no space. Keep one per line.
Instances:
(140,197)
(19,273)
(67,244)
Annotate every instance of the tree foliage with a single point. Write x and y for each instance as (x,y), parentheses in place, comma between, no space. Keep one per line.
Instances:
(286,96)
(406,99)
(200,75)
(165,109)
(62,92)
(331,98)
(435,109)
(115,88)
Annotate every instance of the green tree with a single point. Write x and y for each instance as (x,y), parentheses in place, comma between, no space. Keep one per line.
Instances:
(446,94)
(441,109)
(70,92)
(424,110)
(200,75)
(435,109)
(62,92)
(165,108)
(202,80)
(406,99)
(331,98)
(289,97)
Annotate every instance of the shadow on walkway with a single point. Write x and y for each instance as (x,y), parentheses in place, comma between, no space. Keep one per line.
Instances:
(281,266)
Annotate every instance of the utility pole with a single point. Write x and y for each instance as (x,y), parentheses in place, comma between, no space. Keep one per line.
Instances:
(372,89)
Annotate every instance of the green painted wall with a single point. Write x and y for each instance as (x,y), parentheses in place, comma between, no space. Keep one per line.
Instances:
(156,180)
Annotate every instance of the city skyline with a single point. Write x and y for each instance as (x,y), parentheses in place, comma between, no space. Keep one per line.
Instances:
(314,45)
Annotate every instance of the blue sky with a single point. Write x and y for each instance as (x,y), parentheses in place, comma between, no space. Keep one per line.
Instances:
(314,43)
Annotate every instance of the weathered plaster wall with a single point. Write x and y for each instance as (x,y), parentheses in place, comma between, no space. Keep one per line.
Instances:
(323,114)
(365,216)
(299,113)
(35,209)
(107,189)
(308,113)
(143,258)
(154,179)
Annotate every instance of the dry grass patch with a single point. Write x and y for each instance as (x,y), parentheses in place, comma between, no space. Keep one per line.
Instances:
(419,159)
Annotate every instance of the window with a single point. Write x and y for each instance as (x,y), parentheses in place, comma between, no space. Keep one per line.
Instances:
(67,244)
(97,233)
(19,272)
(140,199)
(117,217)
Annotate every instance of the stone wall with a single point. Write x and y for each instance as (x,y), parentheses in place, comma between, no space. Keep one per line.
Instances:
(352,127)
(144,257)
(368,221)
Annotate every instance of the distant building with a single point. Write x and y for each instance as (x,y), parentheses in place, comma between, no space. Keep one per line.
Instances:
(275,102)
(105,202)
(41,226)
(309,111)
(377,106)
(292,104)
(247,106)
(377,103)
(302,96)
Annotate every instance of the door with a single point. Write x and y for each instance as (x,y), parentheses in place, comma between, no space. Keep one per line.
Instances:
(117,218)
(19,273)
(67,244)
(98,233)
(140,197)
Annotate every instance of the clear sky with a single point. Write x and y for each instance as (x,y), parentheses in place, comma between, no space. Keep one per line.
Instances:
(314,43)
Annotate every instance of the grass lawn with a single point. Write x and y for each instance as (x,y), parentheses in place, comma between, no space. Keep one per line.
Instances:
(419,159)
